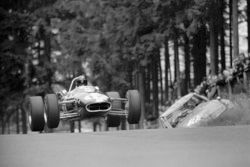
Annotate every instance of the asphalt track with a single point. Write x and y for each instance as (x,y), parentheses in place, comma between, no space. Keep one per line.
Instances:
(203,147)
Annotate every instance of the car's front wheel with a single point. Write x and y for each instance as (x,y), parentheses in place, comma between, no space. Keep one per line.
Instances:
(133,106)
(36,113)
(52,110)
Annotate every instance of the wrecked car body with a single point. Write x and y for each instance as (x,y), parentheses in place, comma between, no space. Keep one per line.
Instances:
(194,110)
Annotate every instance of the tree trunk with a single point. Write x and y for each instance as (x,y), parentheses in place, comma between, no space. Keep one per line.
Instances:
(23,106)
(8,125)
(147,83)
(155,84)
(230,33)
(44,35)
(171,90)
(142,94)
(2,123)
(79,126)
(166,68)
(17,121)
(187,64)
(222,36)
(123,123)
(248,26)
(148,90)
(160,79)
(199,54)
(235,30)
(72,126)
(24,121)
(213,25)
(47,51)
(130,74)
(177,66)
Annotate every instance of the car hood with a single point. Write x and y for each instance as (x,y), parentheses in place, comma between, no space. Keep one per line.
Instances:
(88,97)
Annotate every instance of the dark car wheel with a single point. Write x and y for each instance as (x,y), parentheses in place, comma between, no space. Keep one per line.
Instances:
(114,120)
(52,110)
(134,106)
(36,113)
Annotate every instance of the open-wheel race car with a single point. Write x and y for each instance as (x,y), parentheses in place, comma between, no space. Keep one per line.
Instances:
(83,102)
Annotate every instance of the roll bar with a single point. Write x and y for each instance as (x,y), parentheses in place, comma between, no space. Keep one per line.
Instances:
(81,77)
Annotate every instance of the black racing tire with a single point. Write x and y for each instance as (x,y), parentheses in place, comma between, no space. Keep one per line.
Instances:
(52,110)
(134,106)
(36,113)
(114,120)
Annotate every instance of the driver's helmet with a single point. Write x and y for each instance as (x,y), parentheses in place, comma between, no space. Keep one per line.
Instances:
(81,81)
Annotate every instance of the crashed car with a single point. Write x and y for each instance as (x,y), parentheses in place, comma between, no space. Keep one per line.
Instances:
(194,110)
(80,102)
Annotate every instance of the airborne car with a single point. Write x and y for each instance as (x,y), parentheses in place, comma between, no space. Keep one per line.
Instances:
(83,102)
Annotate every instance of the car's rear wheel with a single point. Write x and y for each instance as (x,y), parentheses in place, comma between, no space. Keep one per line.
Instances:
(134,106)
(51,110)
(114,120)
(36,113)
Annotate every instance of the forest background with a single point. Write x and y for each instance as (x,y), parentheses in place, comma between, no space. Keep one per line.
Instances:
(163,48)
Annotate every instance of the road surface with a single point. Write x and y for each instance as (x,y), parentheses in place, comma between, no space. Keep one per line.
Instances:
(203,147)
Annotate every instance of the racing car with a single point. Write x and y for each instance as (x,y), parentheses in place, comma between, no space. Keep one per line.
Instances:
(194,110)
(81,102)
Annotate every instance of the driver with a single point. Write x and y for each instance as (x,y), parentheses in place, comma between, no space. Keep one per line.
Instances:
(81,81)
